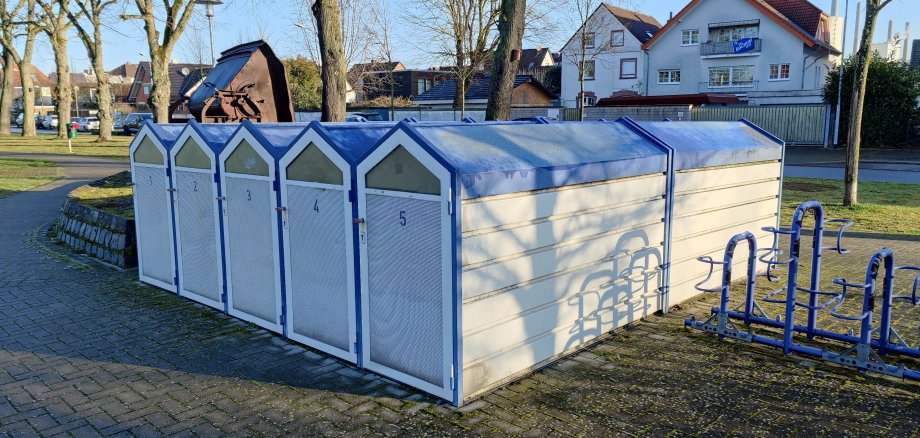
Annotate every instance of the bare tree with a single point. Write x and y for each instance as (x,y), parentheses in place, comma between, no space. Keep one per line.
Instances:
(359,34)
(383,50)
(22,13)
(505,62)
(863,59)
(329,34)
(6,91)
(90,33)
(177,15)
(56,24)
(463,31)
(585,47)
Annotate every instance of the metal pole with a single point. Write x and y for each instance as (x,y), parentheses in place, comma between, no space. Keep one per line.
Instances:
(840,77)
(210,14)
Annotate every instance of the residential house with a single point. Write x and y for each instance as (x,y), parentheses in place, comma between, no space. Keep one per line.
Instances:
(406,84)
(764,51)
(532,59)
(139,94)
(613,39)
(42,84)
(355,76)
(178,109)
(527,92)
(123,74)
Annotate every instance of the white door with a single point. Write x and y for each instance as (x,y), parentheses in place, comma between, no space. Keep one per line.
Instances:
(318,244)
(153,214)
(197,223)
(406,262)
(251,236)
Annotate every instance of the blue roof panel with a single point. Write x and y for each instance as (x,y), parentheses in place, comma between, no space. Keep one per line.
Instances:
(167,133)
(708,144)
(215,134)
(493,159)
(353,140)
(276,138)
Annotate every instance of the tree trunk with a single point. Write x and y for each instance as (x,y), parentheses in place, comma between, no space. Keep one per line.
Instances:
(332,51)
(581,94)
(63,90)
(861,73)
(28,98)
(6,93)
(507,55)
(160,90)
(103,96)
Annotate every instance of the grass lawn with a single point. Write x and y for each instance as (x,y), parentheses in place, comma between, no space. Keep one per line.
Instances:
(84,144)
(111,195)
(883,207)
(18,175)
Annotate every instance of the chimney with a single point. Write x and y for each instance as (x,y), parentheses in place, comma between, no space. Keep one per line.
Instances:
(857,36)
(835,10)
(890,30)
(906,43)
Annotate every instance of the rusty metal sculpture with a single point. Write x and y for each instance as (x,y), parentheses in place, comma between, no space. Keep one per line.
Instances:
(248,83)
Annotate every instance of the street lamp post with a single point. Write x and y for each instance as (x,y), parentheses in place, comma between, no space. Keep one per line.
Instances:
(209,12)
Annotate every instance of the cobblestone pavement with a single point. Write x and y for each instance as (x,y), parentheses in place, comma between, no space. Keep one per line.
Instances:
(85,350)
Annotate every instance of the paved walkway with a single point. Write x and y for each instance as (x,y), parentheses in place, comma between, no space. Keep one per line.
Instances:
(87,351)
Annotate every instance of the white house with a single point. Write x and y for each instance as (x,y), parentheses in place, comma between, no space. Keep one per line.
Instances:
(765,51)
(612,55)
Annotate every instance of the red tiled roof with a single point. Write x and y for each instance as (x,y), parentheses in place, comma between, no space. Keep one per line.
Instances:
(801,12)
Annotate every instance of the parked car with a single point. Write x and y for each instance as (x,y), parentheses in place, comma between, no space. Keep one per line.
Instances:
(92,124)
(133,122)
(19,120)
(50,122)
(118,123)
(354,118)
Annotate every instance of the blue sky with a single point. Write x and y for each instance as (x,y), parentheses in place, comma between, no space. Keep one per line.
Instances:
(241,20)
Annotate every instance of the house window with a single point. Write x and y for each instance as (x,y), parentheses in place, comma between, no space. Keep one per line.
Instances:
(628,68)
(690,37)
(737,76)
(589,70)
(617,38)
(424,85)
(147,90)
(779,72)
(671,76)
(589,40)
(726,34)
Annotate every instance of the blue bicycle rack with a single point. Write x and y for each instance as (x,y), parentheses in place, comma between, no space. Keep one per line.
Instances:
(865,352)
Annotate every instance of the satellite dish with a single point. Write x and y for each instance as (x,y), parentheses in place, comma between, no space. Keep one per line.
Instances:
(185,71)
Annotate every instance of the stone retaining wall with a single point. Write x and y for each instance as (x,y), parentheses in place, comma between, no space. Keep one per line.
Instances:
(99,234)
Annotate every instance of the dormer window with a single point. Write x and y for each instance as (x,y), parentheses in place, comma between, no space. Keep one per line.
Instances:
(823,32)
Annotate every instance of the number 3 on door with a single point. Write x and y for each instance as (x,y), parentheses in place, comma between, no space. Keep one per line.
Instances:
(249,194)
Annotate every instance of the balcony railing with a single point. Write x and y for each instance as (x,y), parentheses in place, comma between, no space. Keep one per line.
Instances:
(736,87)
(721,48)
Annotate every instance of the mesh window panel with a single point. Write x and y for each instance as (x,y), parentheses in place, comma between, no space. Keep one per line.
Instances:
(251,253)
(195,221)
(319,270)
(405,290)
(154,240)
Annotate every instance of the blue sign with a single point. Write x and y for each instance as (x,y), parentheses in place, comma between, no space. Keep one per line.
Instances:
(743,45)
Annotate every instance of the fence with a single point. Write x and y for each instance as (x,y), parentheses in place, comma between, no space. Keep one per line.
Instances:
(677,113)
(439,115)
(794,124)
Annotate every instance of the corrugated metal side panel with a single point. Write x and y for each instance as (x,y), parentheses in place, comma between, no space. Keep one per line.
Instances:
(543,274)
(710,206)
(798,124)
